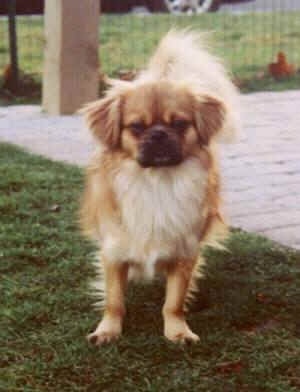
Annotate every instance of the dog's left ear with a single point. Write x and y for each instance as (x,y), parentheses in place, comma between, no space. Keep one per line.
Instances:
(209,115)
(103,118)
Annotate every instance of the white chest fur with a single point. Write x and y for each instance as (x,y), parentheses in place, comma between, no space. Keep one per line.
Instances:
(161,211)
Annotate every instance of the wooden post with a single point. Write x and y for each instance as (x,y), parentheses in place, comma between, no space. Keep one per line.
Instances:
(71,69)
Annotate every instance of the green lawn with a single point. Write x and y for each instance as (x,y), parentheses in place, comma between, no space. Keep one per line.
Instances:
(246,313)
(247,42)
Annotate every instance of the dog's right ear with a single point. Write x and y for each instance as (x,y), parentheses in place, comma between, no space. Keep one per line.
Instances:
(210,115)
(103,118)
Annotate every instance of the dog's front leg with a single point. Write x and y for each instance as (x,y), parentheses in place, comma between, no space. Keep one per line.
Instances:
(110,327)
(179,276)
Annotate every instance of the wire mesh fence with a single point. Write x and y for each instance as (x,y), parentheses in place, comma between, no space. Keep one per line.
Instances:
(247,34)
(247,42)
(4,44)
(30,43)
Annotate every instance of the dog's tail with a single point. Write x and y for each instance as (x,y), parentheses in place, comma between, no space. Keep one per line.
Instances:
(184,56)
(184,53)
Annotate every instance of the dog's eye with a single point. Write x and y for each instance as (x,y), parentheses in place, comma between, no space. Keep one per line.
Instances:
(137,127)
(180,124)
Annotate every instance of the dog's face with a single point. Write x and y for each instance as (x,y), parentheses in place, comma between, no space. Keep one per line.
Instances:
(157,124)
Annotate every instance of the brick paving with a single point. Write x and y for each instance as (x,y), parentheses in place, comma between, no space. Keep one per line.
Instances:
(261,171)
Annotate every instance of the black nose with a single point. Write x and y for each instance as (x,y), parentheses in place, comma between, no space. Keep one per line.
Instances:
(158,134)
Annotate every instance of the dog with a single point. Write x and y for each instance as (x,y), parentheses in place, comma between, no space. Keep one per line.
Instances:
(152,193)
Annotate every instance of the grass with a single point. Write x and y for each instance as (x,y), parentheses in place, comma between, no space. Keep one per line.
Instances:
(247,42)
(246,313)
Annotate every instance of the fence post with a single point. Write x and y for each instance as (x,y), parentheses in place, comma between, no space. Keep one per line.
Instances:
(13,43)
(71,67)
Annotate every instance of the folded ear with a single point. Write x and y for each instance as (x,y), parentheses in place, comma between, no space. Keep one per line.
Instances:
(103,117)
(209,117)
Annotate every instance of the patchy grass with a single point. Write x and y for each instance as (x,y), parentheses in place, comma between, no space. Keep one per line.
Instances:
(246,312)
(247,42)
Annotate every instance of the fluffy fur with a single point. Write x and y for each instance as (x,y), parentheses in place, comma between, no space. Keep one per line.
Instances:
(152,204)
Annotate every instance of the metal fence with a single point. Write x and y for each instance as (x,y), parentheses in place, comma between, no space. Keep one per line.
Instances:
(248,38)
(248,35)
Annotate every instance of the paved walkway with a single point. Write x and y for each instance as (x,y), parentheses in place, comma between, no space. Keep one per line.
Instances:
(262,171)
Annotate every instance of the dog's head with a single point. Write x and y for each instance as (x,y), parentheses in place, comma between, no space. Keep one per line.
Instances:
(156,123)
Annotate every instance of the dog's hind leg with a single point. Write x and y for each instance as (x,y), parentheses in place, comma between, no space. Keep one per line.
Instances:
(192,290)
(110,327)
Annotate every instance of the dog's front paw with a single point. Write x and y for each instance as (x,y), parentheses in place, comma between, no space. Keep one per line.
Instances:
(183,337)
(98,338)
(106,332)
(178,331)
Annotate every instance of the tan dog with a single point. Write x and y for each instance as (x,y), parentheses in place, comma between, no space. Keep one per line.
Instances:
(152,196)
